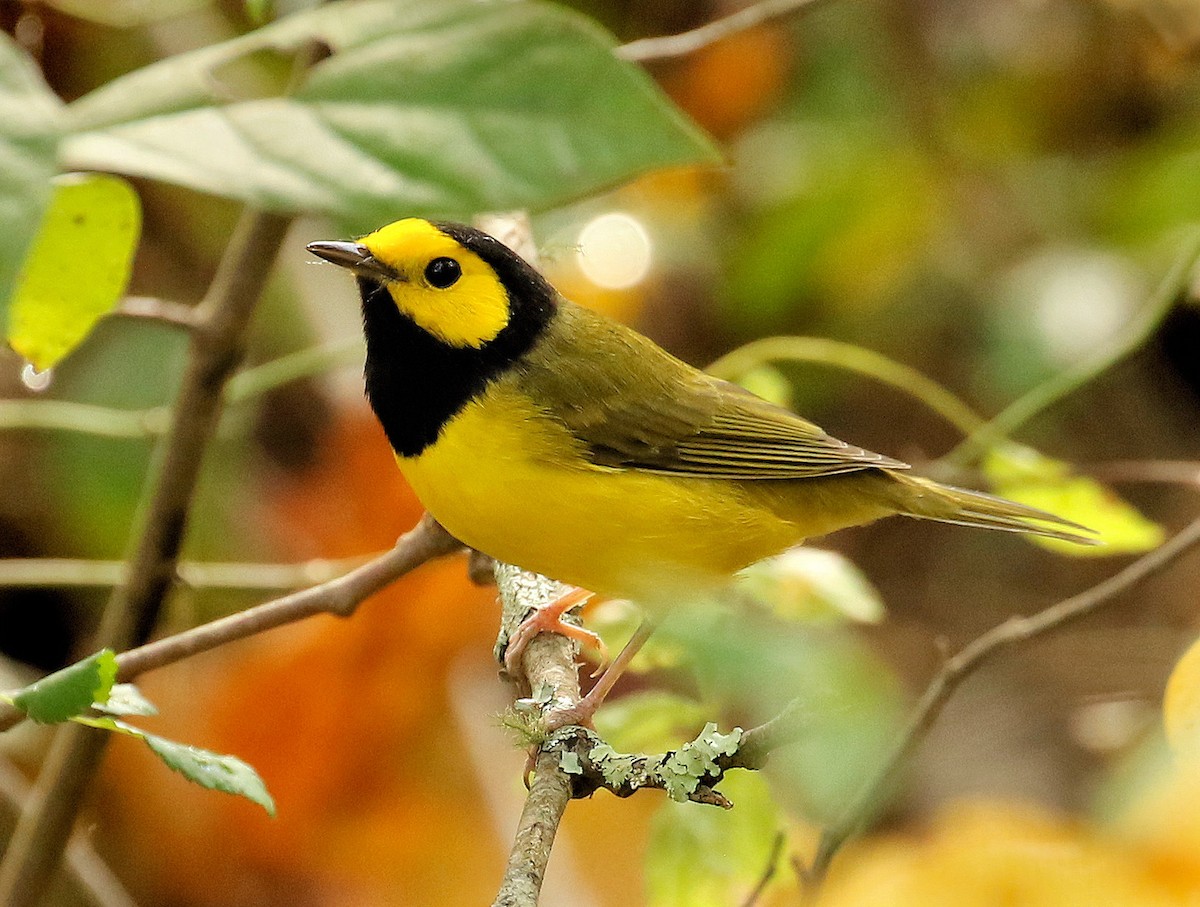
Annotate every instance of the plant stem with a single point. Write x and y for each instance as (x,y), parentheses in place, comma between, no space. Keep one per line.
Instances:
(968,659)
(214,352)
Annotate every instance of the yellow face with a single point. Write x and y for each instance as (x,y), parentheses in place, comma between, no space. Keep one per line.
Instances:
(445,288)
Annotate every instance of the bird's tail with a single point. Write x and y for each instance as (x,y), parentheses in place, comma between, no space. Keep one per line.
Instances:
(929,500)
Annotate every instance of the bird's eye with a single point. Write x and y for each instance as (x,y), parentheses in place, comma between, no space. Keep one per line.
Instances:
(443,272)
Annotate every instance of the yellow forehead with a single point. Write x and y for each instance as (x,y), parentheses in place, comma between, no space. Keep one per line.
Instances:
(469,313)
(413,242)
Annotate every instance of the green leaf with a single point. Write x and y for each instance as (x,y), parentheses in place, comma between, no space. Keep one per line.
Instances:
(649,721)
(69,692)
(212,770)
(811,584)
(770,383)
(126,699)
(29,123)
(845,699)
(423,108)
(699,856)
(77,268)
(1022,474)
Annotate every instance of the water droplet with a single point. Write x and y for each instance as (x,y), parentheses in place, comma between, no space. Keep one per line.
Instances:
(35,380)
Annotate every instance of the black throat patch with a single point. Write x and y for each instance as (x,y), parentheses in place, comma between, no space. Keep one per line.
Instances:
(415,382)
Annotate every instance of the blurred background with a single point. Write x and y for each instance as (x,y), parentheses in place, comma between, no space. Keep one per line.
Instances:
(984,190)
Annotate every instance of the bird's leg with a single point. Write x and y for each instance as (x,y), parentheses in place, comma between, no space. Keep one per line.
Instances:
(549,619)
(582,712)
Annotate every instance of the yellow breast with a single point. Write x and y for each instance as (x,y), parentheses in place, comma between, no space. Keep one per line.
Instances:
(505,478)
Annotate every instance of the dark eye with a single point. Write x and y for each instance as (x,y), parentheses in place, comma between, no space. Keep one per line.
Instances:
(442,272)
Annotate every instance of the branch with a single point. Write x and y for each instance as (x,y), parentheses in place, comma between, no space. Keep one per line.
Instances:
(81,572)
(966,662)
(217,337)
(1065,383)
(548,665)
(164,311)
(64,415)
(689,42)
(86,870)
(339,597)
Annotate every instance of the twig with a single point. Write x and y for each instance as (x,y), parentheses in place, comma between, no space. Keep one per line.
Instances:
(1045,395)
(85,868)
(1168,472)
(769,871)
(339,597)
(64,415)
(959,667)
(130,615)
(549,668)
(688,42)
(544,807)
(66,572)
(165,311)
(851,358)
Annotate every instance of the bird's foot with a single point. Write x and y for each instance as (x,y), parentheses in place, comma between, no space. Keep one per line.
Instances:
(549,619)
(582,712)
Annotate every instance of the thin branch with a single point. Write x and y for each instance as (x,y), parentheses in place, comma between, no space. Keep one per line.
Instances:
(689,42)
(1167,472)
(315,360)
(851,358)
(769,871)
(217,338)
(959,667)
(339,597)
(165,311)
(64,415)
(549,670)
(65,572)
(1065,383)
(86,870)
(548,797)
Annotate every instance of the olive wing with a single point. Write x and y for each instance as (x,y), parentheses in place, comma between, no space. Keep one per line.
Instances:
(631,405)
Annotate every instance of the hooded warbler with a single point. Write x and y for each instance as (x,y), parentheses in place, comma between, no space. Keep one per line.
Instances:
(551,437)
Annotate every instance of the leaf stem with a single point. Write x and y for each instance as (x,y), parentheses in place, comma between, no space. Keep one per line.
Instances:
(1066,382)
(968,659)
(696,39)
(852,358)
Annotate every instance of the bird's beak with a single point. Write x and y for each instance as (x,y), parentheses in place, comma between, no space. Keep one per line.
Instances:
(356,257)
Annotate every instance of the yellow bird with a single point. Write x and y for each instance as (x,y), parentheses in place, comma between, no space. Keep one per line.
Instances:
(553,438)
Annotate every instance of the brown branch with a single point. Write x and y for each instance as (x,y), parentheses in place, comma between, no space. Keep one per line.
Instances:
(688,42)
(548,797)
(548,666)
(768,871)
(339,597)
(86,870)
(217,338)
(164,311)
(968,659)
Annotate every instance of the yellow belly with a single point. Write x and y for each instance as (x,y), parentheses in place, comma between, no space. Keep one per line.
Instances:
(505,480)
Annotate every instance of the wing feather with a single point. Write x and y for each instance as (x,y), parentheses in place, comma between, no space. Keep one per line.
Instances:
(658,414)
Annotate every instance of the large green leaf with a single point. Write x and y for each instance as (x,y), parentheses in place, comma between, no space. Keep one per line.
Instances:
(422,108)
(78,266)
(29,115)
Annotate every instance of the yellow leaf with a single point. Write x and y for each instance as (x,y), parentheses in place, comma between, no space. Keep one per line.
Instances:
(1022,474)
(1181,703)
(77,267)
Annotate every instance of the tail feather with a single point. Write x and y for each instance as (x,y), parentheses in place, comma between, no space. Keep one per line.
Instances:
(948,504)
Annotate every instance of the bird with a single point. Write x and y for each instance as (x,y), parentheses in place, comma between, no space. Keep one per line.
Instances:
(551,437)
